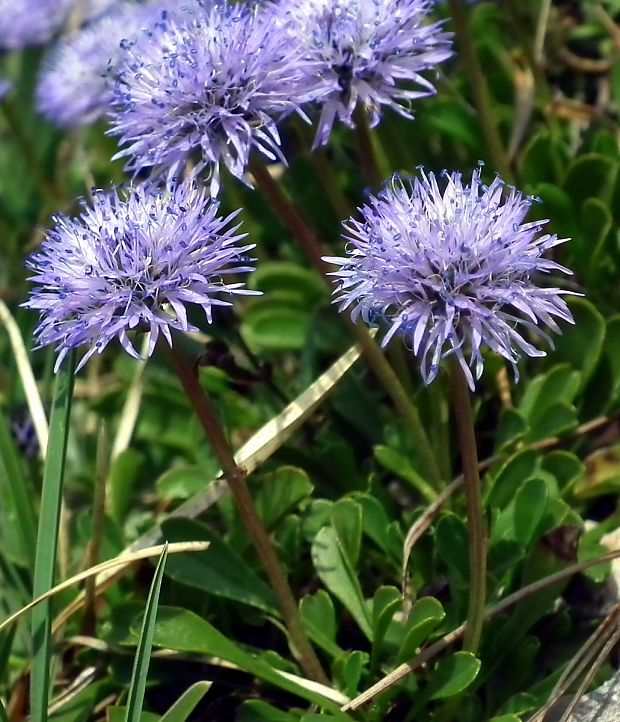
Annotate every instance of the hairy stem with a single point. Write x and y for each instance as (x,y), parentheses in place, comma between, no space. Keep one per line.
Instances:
(314,249)
(236,479)
(475,517)
(480,89)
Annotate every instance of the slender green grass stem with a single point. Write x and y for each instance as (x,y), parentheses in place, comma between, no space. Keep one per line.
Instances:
(473,497)
(314,250)
(236,479)
(47,538)
(480,89)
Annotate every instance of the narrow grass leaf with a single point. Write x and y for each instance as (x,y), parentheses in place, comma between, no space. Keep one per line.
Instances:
(47,538)
(145,645)
(14,484)
(184,706)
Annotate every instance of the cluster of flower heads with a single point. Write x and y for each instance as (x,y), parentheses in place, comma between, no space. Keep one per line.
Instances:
(214,84)
(367,54)
(75,85)
(133,262)
(450,266)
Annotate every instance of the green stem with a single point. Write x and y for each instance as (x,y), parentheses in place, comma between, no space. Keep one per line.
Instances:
(236,479)
(47,538)
(475,517)
(314,249)
(480,89)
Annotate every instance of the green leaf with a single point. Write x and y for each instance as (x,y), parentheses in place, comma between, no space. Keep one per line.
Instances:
(280,493)
(511,427)
(596,222)
(272,325)
(611,349)
(425,616)
(283,278)
(319,617)
(217,570)
(255,710)
(581,345)
(567,468)
(17,502)
(183,482)
(47,537)
(511,474)
(347,671)
(591,175)
(377,525)
(541,160)
(335,571)
(347,521)
(556,420)
(452,676)
(118,714)
(385,603)
(122,480)
(184,631)
(451,543)
(184,706)
(506,718)
(560,384)
(398,464)
(135,698)
(529,508)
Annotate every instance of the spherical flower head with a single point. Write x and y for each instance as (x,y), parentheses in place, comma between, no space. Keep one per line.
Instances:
(133,262)
(30,22)
(450,267)
(208,84)
(75,83)
(368,52)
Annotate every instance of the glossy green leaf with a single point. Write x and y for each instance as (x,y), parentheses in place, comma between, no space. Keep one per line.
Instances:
(347,522)
(280,493)
(451,543)
(529,508)
(319,617)
(217,570)
(425,616)
(335,571)
(581,344)
(184,631)
(397,463)
(185,705)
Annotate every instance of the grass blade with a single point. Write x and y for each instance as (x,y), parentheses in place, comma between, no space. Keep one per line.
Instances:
(145,645)
(47,538)
(14,483)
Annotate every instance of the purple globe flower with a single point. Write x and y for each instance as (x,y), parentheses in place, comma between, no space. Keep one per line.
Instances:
(450,266)
(30,22)
(209,84)
(75,87)
(133,262)
(367,52)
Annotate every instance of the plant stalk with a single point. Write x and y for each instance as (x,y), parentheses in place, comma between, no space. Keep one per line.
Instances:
(475,516)
(480,89)
(236,479)
(314,249)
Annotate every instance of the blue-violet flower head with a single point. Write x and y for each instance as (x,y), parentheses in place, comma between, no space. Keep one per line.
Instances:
(75,84)
(30,22)
(370,53)
(133,262)
(450,266)
(209,84)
